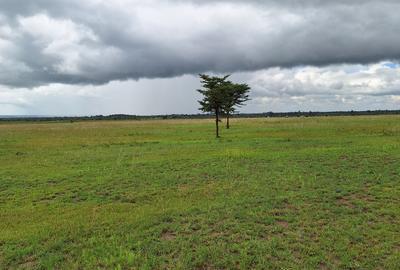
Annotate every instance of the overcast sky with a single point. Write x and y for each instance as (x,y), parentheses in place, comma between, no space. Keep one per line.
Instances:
(86,57)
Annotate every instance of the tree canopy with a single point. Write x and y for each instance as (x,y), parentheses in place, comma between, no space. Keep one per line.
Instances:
(235,95)
(214,95)
(221,96)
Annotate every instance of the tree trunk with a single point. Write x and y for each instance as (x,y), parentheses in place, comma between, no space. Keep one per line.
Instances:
(227,121)
(217,123)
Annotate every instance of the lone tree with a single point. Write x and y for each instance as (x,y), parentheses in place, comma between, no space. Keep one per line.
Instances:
(214,96)
(235,96)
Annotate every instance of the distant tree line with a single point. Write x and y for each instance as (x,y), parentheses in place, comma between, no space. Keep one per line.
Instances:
(191,116)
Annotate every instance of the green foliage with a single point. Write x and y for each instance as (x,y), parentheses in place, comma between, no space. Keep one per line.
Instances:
(214,93)
(221,96)
(274,193)
(235,95)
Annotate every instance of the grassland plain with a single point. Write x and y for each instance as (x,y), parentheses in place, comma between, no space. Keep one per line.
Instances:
(296,193)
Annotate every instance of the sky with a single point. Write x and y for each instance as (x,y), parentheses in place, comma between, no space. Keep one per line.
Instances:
(91,57)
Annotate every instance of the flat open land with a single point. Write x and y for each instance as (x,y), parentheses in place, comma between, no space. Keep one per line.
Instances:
(293,193)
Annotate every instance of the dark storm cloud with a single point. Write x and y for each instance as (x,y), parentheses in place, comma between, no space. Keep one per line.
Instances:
(95,41)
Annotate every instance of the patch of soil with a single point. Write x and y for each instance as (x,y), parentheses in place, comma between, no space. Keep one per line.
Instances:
(345,202)
(323,266)
(283,223)
(183,188)
(216,234)
(348,200)
(168,236)
(205,267)
(29,263)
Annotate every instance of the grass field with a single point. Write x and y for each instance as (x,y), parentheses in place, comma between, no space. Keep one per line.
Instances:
(293,193)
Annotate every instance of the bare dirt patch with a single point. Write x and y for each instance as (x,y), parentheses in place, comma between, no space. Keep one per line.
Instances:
(29,263)
(216,234)
(323,266)
(283,223)
(168,236)
(345,201)
(350,201)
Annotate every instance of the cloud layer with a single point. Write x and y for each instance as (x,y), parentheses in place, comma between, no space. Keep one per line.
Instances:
(97,41)
(335,87)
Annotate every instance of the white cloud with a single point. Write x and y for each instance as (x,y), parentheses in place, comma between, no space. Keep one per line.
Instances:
(375,80)
(59,38)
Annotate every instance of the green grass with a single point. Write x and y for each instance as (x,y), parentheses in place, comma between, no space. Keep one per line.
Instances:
(304,193)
